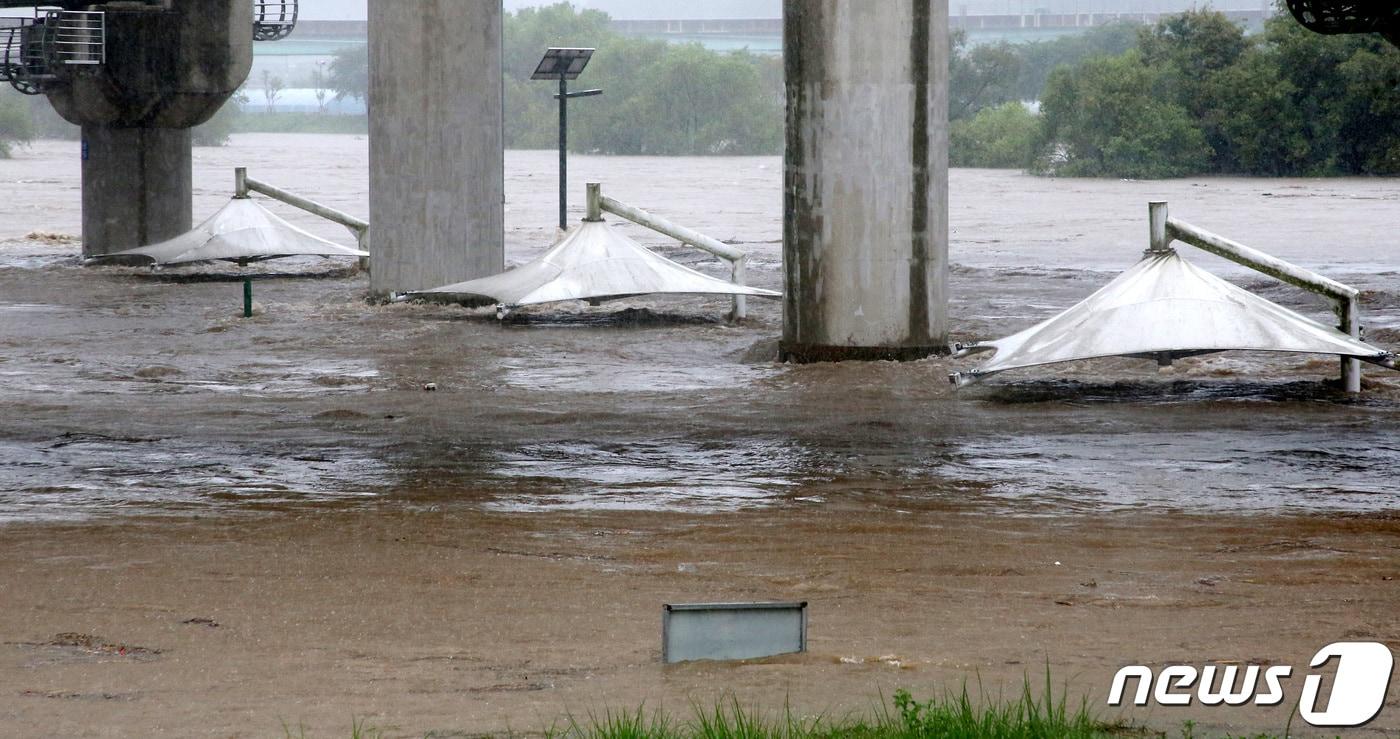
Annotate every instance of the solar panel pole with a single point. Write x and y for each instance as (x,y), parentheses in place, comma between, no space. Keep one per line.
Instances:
(564,96)
(563,153)
(564,64)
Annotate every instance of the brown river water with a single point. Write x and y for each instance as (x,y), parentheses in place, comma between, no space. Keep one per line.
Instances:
(128,391)
(225,527)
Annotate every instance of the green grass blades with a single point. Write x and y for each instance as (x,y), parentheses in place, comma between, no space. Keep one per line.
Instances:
(955,715)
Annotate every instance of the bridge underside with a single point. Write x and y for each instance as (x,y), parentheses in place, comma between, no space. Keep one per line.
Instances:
(1332,16)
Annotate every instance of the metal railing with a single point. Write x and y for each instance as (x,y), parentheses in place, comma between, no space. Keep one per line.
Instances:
(1165,229)
(35,52)
(77,37)
(13,65)
(598,203)
(274,20)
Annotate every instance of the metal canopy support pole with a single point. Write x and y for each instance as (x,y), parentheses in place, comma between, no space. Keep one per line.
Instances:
(1351,325)
(564,64)
(738,274)
(595,202)
(247,289)
(1157,218)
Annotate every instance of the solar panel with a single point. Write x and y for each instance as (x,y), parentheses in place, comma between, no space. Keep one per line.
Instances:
(564,64)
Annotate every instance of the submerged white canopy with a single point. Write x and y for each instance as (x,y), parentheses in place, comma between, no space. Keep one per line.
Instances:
(1168,308)
(241,230)
(593,262)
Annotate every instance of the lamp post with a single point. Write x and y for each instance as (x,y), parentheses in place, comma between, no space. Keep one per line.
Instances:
(564,65)
(320,90)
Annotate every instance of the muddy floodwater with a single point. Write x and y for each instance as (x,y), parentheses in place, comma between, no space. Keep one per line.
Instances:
(489,555)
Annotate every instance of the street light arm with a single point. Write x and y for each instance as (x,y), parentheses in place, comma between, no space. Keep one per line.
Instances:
(580,94)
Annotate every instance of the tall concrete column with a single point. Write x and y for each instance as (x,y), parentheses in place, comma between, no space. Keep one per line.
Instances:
(437,167)
(865,237)
(137,187)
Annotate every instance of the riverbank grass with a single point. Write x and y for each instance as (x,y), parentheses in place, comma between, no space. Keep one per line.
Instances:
(954,716)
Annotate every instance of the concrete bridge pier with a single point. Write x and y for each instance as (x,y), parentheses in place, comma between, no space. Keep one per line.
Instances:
(137,187)
(865,237)
(437,141)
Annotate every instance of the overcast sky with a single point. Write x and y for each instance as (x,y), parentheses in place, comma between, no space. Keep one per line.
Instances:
(332,10)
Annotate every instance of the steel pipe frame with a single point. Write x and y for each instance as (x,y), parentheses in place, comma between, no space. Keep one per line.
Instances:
(598,203)
(243,184)
(1164,230)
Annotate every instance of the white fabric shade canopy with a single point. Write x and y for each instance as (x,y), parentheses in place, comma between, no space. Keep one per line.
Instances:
(593,262)
(241,230)
(1166,306)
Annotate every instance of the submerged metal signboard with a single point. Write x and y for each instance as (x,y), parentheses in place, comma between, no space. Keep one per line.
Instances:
(721,631)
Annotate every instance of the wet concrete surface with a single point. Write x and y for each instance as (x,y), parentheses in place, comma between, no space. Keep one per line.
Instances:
(142,411)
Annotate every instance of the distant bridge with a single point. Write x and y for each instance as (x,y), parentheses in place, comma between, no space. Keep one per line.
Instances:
(1010,25)
(1070,21)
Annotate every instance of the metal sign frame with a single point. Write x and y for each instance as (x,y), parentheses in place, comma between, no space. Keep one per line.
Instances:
(715,646)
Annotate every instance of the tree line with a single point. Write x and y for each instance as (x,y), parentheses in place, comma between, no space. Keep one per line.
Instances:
(658,98)
(1191,94)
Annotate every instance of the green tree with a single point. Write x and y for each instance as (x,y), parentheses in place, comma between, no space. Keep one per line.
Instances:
(529,31)
(1003,137)
(349,73)
(530,109)
(1190,50)
(16,125)
(1340,96)
(659,98)
(1103,119)
(1265,133)
(216,131)
(1197,96)
(1371,114)
(617,123)
(1192,44)
(1312,64)
(694,101)
(980,77)
(1040,58)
